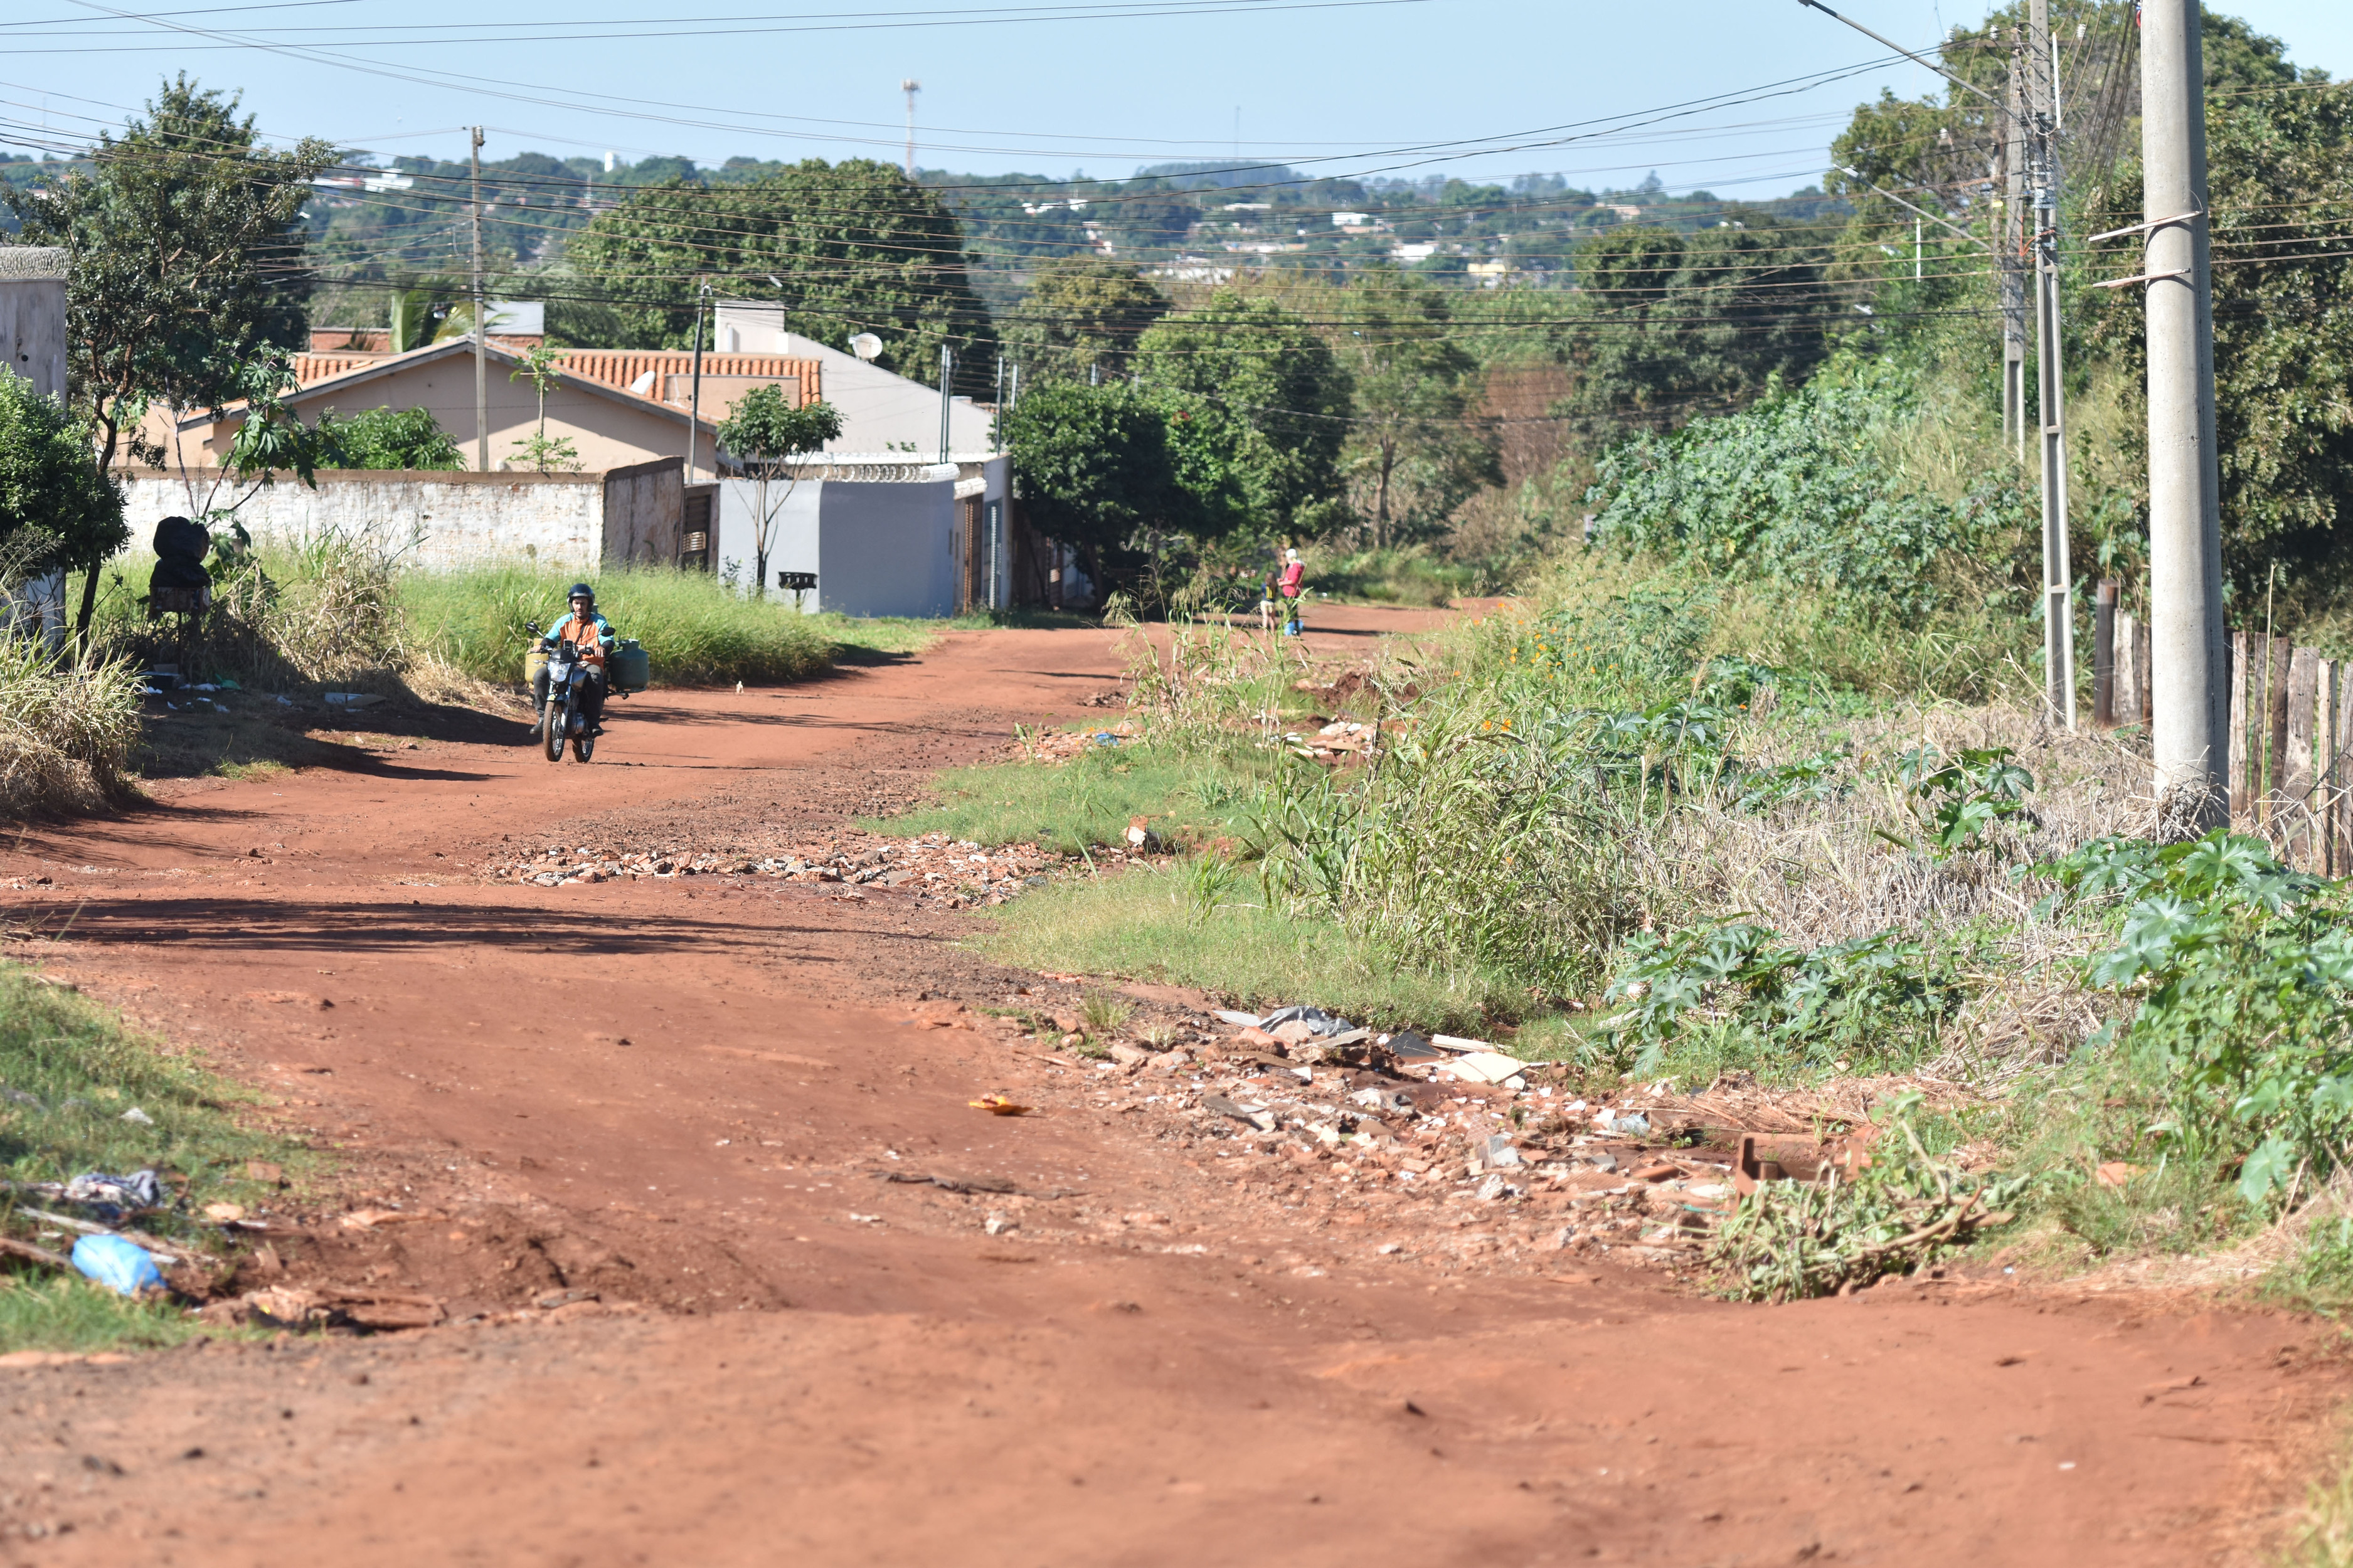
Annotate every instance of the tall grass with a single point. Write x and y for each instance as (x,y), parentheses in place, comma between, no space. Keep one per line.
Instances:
(66,734)
(695,630)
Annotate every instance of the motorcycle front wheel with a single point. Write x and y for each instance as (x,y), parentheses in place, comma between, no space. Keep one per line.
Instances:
(584,745)
(551,729)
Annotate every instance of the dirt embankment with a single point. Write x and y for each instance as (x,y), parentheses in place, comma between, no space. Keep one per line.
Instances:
(636,1142)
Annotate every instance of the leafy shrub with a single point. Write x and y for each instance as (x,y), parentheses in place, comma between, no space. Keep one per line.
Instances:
(1780,1003)
(2242,969)
(1795,489)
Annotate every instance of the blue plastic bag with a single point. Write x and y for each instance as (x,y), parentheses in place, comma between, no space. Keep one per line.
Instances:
(116,1264)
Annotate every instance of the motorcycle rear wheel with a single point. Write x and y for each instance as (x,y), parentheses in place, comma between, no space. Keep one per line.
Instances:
(551,730)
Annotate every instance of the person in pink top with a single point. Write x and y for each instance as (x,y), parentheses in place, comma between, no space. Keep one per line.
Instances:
(1293,576)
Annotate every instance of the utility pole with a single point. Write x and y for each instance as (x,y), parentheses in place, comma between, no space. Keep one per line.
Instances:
(694,396)
(947,382)
(2058,584)
(2191,711)
(481,323)
(911,87)
(2012,250)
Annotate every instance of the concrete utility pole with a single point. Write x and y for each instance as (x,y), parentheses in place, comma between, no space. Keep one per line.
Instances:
(2190,706)
(694,392)
(947,382)
(2058,576)
(911,87)
(2012,250)
(482,323)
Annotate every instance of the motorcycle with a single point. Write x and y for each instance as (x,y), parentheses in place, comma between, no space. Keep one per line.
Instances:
(559,686)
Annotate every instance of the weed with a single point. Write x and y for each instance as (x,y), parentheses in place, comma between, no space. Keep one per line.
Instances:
(1104,1012)
(1159,1036)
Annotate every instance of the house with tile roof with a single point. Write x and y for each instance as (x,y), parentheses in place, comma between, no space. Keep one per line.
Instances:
(618,408)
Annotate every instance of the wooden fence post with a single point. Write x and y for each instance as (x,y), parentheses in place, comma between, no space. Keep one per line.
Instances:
(2300,839)
(2241,771)
(2103,655)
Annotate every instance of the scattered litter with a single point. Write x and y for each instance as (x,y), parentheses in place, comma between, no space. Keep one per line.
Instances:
(350,699)
(1410,1047)
(1631,1124)
(1322,1026)
(997,1105)
(1501,1151)
(117,1263)
(1486,1067)
(997,1225)
(1457,1043)
(138,1190)
(138,1115)
(224,1213)
(1491,1189)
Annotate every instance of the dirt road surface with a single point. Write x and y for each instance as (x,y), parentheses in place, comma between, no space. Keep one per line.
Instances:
(636,1138)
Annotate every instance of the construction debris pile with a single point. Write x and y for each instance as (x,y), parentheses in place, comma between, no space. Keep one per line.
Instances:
(1447,1150)
(956,871)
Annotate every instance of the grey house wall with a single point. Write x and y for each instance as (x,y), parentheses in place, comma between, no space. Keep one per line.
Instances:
(33,314)
(877,548)
(33,336)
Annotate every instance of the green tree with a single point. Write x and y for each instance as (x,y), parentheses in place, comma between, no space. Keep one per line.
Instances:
(1257,410)
(763,435)
(386,438)
(1690,324)
(1412,444)
(187,240)
(1096,469)
(855,247)
(1082,319)
(56,508)
(535,450)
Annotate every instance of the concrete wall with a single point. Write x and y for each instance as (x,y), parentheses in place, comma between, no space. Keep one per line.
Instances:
(644,506)
(32,315)
(438,520)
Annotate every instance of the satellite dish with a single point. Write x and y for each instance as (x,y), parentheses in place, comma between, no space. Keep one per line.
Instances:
(866,345)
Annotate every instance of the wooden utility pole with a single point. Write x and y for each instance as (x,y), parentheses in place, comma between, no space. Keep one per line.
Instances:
(482,323)
(2189,721)
(2058,584)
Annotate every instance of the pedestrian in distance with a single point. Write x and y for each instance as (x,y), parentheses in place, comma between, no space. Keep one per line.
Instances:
(1293,584)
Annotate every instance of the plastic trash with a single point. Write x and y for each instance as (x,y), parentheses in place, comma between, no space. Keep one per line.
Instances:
(116,1264)
(1501,1151)
(136,1115)
(138,1190)
(1323,1024)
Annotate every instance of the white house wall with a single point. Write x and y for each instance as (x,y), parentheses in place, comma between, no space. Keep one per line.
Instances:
(880,411)
(450,519)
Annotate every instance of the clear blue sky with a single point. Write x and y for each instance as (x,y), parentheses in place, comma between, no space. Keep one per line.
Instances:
(1348,86)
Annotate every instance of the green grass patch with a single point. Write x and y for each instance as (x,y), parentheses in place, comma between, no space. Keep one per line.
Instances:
(70,1072)
(1151,926)
(695,631)
(1186,797)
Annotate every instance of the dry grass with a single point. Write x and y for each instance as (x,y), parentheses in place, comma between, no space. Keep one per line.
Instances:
(66,734)
(1821,873)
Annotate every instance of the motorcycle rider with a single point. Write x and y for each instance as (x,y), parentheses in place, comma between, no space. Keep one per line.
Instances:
(593,635)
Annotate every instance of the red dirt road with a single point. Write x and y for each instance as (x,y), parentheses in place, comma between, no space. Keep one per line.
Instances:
(789,1359)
